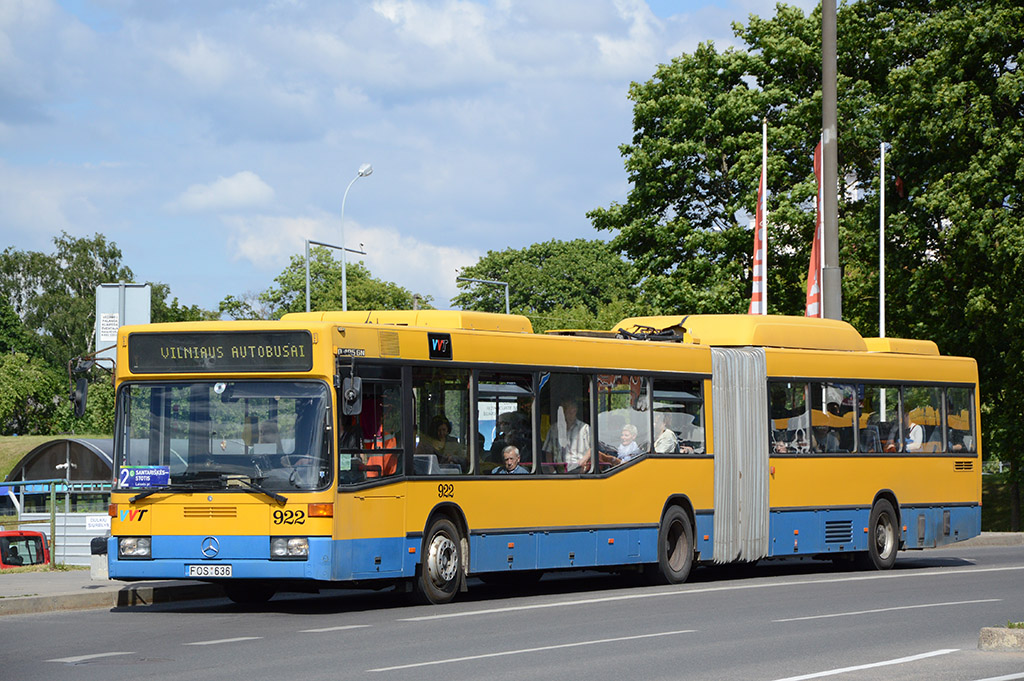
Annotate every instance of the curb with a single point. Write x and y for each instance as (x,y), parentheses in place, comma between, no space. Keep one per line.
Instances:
(1001,639)
(129,596)
(995,539)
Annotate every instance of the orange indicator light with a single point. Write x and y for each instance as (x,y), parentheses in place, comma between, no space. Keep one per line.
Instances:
(412,549)
(706,537)
(112,510)
(320,510)
(611,540)
(511,544)
(796,532)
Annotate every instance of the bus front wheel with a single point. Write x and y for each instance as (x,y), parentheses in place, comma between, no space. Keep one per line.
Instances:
(441,568)
(248,593)
(675,548)
(883,538)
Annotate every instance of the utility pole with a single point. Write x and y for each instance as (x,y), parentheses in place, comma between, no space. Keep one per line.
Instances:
(832,282)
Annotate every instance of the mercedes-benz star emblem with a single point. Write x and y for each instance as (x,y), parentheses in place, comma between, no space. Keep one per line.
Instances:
(210,547)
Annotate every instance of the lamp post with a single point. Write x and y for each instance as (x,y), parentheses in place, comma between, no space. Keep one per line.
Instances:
(365,170)
(488,281)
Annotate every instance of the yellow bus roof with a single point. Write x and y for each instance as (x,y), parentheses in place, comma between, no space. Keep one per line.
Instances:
(435,319)
(760,330)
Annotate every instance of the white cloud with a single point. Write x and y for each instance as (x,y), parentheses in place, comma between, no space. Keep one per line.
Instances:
(43,202)
(269,242)
(241,190)
(203,62)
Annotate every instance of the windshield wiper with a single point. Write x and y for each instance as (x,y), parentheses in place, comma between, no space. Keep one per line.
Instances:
(176,487)
(228,479)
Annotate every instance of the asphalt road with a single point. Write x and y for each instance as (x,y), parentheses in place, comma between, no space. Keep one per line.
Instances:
(789,620)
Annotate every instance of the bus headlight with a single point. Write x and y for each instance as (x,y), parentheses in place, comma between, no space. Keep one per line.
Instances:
(289,547)
(135,547)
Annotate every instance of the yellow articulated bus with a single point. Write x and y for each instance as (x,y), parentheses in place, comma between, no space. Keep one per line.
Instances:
(420,448)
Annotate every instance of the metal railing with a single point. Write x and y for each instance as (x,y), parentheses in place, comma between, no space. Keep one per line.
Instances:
(53,495)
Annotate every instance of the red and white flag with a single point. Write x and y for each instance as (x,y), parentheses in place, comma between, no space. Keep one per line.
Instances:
(759,292)
(814,306)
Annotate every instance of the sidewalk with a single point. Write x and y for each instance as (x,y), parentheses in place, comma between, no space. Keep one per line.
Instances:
(34,592)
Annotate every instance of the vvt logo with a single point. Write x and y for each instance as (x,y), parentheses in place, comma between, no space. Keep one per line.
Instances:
(440,345)
(133,514)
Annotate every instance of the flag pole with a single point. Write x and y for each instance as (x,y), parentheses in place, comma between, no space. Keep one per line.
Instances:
(764,213)
(881,243)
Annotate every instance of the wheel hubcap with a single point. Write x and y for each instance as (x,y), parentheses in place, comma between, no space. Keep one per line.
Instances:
(884,536)
(676,547)
(442,560)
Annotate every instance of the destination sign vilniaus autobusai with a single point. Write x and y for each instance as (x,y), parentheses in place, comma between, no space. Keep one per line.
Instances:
(238,351)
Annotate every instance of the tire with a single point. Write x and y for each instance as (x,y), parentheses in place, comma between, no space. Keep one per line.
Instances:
(883,537)
(248,593)
(675,549)
(440,574)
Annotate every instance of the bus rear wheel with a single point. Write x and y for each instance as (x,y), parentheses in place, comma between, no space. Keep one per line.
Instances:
(883,537)
(440,572)
(675,549)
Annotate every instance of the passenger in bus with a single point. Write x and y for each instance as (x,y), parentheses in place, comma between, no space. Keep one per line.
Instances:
(510,462)
(13,557)
(666,442)
(915,433)
(628,448)
(574,450)
(437,441)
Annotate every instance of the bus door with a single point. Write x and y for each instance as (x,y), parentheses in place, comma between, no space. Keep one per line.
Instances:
(739,389)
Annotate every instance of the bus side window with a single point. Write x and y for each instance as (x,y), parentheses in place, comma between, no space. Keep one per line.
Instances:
(788,420)
(960,420)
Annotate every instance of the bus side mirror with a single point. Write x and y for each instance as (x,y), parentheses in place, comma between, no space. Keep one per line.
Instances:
(78,396)
(352,396)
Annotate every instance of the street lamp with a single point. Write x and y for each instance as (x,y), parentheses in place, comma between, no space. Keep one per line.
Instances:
(488,281)
(365,170)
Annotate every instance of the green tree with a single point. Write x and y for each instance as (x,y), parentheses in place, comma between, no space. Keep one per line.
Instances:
(29,396)
(50,318)
(365,292)
(941,82)
(557,284)
(162,311)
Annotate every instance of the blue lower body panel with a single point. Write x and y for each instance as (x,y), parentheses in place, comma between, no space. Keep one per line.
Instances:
(555,549)
(249,558)
(824,531)
(791,533)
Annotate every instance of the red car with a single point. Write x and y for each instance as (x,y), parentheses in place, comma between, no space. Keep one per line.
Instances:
(23,547)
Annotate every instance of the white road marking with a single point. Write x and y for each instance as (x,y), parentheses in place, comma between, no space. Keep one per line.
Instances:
(899,607)
(83,658)
(685,590)
(530,650)
(223,640)
(872,665)
(1008,677)
(341,628)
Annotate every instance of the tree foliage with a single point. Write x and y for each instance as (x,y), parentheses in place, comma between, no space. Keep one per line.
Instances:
(939,81)
(49,318)
(557,284)
(365,292)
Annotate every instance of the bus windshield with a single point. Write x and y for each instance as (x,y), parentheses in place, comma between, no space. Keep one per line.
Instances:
(223,433)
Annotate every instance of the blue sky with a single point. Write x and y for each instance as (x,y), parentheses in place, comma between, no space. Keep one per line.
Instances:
(210,139)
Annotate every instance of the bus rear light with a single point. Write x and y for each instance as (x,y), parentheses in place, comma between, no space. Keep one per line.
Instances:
(320,511)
